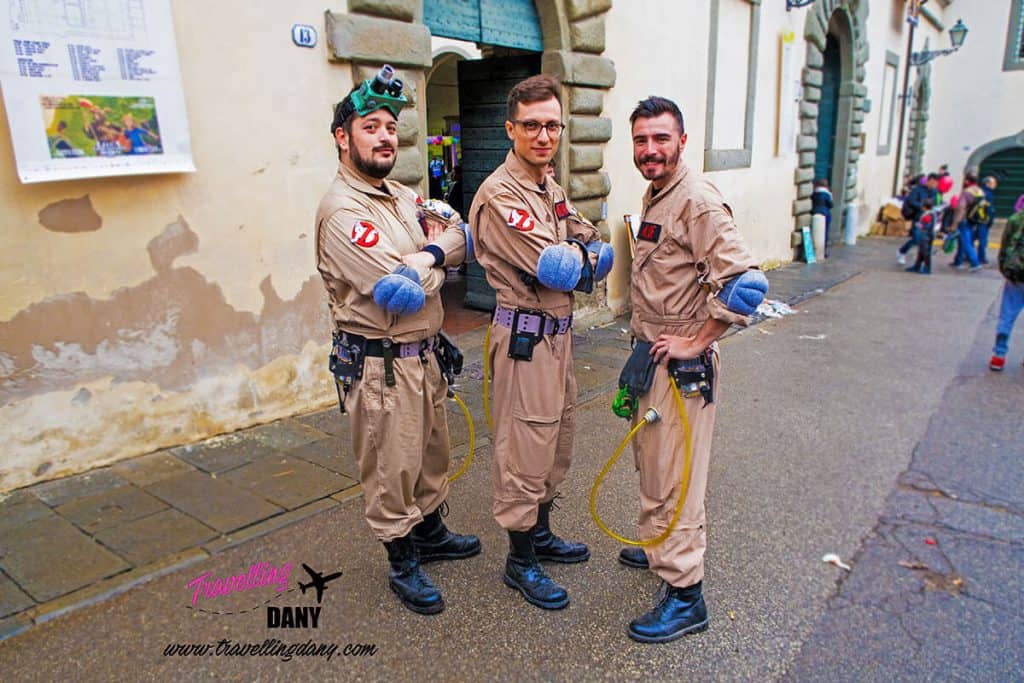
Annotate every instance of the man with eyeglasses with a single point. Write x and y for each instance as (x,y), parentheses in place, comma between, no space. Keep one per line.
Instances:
(535,250)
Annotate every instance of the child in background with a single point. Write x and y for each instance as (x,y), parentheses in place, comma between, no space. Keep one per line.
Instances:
(821,203)
(925,232)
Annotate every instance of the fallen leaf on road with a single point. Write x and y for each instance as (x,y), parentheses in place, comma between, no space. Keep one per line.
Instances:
(732,616)
(814,337)
(912,564)
(930,541)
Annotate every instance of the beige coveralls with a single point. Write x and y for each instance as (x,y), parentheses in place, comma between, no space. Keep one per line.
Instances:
(512,219)
(399,433)
(687,248)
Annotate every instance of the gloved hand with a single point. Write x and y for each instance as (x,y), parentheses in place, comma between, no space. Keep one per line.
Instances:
(605,258)
(745,292)
(470,251)
(559,267)
(399,292)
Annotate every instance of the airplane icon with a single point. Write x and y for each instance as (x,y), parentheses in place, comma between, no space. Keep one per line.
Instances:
(319,581)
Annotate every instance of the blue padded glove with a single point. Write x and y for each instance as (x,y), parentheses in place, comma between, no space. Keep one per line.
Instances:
(605,258)
(470,251)
(559,267)
(745,292)
(400,292)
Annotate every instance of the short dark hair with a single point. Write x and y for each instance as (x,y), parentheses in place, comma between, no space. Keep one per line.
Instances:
(343,112)
(933,176)
(539,88)
(970,179)
(821,182)
(656,106)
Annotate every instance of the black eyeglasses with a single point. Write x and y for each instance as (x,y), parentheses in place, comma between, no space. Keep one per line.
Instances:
(533,128)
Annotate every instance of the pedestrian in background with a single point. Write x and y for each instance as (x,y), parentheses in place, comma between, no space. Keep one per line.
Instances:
(1011,265)
(988,186)
(821,204)
(965,226)
(912,209)
(924,228)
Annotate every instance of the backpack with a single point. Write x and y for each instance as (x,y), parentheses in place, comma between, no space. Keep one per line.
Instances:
(980,212)
(1011,252)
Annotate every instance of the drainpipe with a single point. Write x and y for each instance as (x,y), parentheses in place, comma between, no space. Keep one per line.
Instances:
(904,96)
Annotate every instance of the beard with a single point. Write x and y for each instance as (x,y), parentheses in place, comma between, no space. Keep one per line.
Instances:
(669,164)
(367,166)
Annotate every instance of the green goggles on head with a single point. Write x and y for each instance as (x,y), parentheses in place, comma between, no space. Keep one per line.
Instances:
(383,91)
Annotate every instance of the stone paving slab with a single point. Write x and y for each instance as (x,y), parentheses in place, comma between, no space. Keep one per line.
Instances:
(147,469)
(329,421)
(223,453)
(17,515)
(332,453)
(60,491)
(213,502)
(49,557)
(288,482)
(12,598)
(274,523)
(110,508)
(284,434)
(144,541)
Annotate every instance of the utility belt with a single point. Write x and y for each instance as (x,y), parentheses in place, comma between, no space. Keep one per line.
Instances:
(350,351)
(528,327)
(693,377)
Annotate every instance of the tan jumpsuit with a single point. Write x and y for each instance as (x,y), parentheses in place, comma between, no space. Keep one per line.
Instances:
(399,433)
(512,219)
(687,248)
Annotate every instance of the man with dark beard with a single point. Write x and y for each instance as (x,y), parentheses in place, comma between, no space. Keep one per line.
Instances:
(691,279)
(382,259)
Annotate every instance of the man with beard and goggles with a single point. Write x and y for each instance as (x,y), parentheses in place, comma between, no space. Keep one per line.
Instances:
(381,253)
(692,277)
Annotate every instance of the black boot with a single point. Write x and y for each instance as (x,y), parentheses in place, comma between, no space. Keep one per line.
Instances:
(524,573)
(635,557)
(408,580)
(435,542)
(549,547)
(680,611)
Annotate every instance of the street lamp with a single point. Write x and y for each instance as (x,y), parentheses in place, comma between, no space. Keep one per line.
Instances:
(957,36)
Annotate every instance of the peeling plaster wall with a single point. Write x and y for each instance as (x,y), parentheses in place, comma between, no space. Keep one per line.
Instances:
(142,312)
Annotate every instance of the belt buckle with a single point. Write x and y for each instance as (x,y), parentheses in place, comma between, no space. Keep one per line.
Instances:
(528,311)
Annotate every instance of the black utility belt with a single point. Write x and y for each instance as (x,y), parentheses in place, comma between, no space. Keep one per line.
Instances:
(694,377)
(528,327)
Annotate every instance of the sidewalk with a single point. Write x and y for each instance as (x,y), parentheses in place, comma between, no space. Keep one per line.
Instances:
(72,542)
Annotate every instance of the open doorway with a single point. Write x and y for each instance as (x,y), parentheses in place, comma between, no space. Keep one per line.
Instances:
(467,91)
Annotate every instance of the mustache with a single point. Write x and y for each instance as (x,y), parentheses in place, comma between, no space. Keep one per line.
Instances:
(656,158)
(381,148)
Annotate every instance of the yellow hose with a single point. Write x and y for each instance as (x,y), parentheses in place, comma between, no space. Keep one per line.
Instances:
(472,439)
(684,484)
(487,378)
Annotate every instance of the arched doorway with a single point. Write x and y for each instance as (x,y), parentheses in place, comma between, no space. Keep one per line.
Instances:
(1007,167)
(828,110)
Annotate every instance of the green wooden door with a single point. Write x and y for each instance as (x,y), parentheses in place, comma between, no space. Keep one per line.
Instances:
(483,98)
(1008,168)
(828,111)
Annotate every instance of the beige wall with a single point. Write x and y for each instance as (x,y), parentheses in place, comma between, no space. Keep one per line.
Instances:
(166,308)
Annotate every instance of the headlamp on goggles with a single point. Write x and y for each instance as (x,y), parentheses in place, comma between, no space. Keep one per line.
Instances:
(383,91)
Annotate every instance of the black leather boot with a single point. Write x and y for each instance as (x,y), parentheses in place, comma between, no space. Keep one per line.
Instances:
(680,611)
(524,573)
(633,556)
(551,548)
(435,542)
(408,580)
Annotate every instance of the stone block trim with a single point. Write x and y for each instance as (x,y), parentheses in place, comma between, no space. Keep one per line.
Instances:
(408,127)
(592,210)
(574,68)
(585,157)
(402,10)
(358,38)
(803,175)
(585,100)
(813,76)
(589,185)
(581,9)
(587,35)
(590,129)
(409,167)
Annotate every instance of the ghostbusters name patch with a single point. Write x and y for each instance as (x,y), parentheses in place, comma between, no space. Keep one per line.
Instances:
(521,220)
(649,232)
(562,210)
(365,234)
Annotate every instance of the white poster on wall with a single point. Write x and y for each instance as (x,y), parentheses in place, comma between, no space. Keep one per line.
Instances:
(789,95)
(92,88)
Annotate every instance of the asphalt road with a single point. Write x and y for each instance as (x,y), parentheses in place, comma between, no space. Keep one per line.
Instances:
(862,425)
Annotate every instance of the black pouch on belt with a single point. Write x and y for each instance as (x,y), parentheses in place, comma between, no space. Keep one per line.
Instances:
(694,377)
(638,372)
(449,358)
(521,342)
(348,352)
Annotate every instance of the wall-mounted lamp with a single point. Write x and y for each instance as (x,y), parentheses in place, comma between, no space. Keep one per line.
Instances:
(797,4)
(957,36)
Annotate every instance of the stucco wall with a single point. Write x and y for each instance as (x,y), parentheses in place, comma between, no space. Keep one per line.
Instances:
(962,122)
